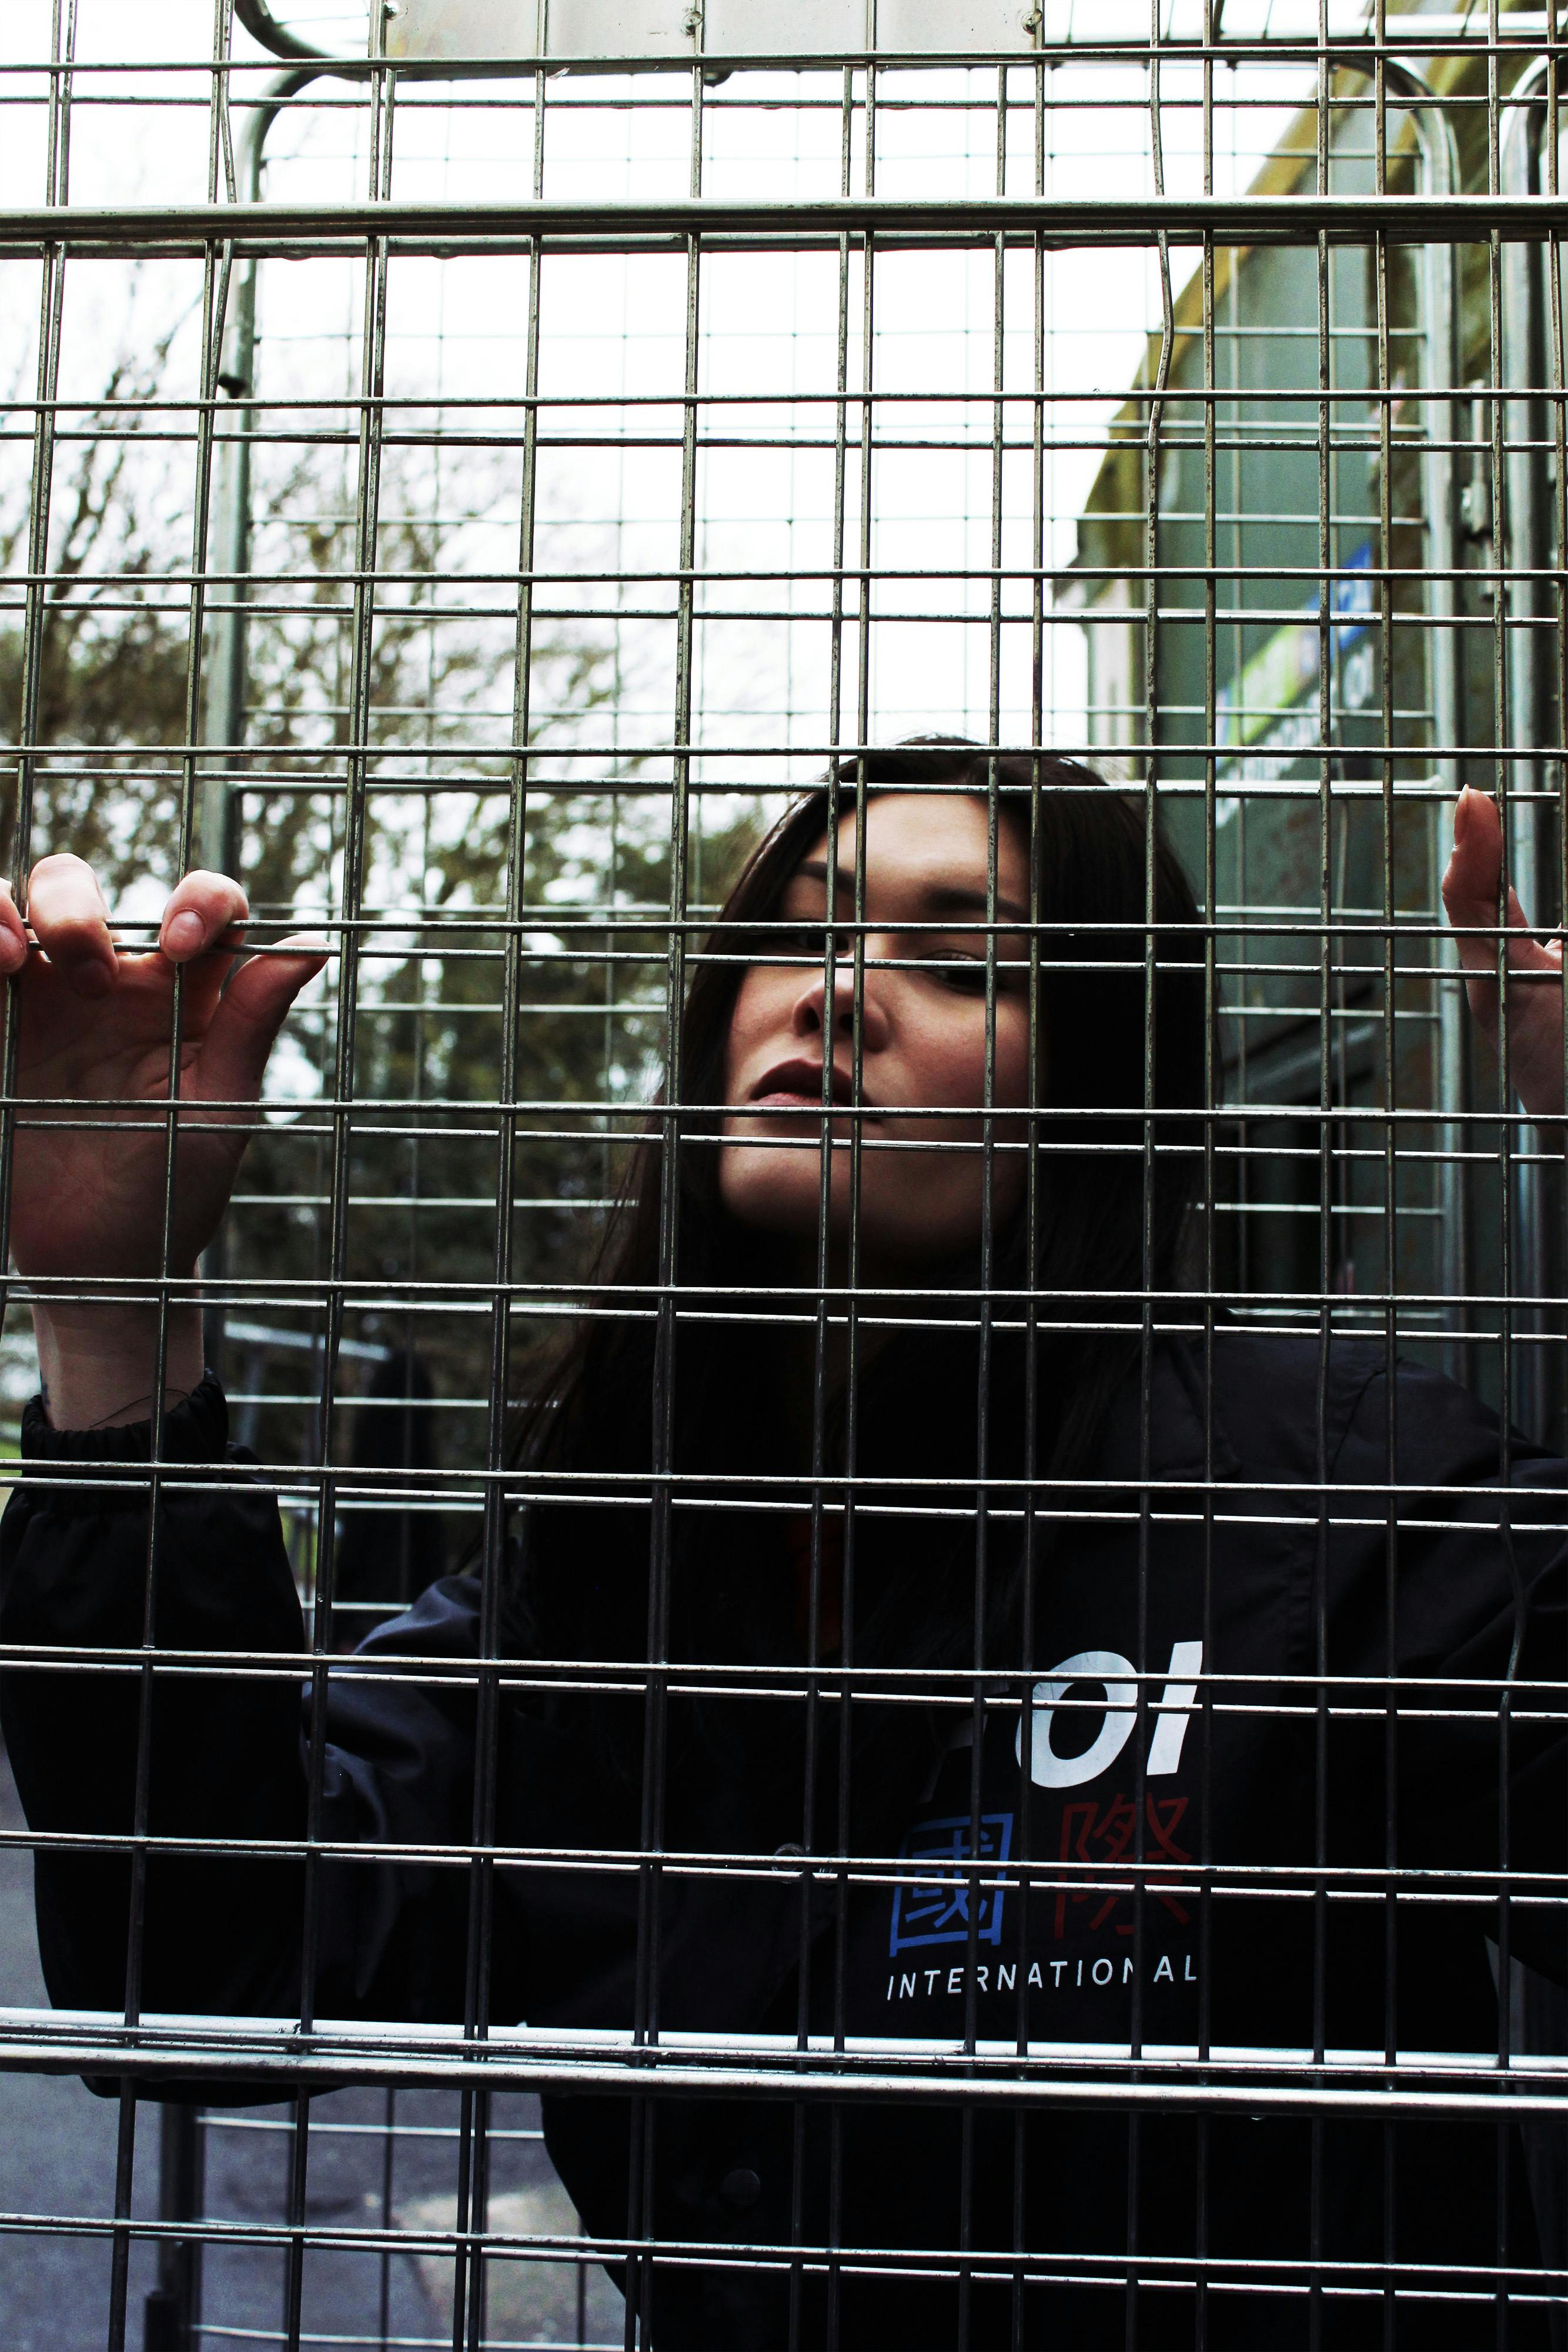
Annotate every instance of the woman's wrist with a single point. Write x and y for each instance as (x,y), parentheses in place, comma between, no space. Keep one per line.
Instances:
(99,1364)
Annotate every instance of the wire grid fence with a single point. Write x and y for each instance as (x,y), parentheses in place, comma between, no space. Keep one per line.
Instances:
(542,471)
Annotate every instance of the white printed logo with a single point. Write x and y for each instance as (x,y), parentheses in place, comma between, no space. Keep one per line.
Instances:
(1172,1707)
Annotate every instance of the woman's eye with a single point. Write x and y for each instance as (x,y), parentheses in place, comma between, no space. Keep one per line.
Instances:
(797,939)
(965,973)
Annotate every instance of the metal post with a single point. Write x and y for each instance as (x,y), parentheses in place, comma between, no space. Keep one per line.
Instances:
(173,2308)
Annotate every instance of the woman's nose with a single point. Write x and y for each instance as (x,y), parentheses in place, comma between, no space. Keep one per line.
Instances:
(810,1005)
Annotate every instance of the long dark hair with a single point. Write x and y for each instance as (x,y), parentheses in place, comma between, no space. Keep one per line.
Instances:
(1102,1223)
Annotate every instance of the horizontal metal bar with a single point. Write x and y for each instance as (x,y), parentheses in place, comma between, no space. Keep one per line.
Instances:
(935,2074)
(1414,34)
(1296,219)
(1477,2283)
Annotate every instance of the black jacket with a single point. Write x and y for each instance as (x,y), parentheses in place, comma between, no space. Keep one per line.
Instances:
(1359,1634)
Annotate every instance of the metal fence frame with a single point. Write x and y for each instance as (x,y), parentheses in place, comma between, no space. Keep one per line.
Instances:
(230,235)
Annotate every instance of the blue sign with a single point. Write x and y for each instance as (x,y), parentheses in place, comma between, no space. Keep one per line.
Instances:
(933,1908)
(1350,599)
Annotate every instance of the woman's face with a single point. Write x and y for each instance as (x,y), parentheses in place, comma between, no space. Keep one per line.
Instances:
(922,1040)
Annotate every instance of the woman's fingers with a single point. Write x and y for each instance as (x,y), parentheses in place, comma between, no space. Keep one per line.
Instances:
(13,933)
(201,909)
(249,1015)
(1471,894)
(70,923)
(1470,882)
(203,925)
(69,920)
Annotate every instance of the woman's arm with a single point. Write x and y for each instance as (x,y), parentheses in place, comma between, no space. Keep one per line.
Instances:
(225,1762)
(88,1188)
(221,1932)
(90,1183)
(1475,1594)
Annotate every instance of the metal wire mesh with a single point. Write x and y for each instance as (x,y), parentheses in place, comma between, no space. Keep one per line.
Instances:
(465,496)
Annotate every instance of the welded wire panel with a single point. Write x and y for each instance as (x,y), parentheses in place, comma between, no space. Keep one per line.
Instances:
(880,1260)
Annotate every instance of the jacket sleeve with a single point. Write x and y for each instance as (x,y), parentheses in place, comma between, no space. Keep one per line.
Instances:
(225,1755)
(1477,1583)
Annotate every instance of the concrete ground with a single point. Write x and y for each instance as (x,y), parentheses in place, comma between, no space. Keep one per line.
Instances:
(56,2170)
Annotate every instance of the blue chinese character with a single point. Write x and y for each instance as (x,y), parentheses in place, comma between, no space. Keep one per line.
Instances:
(933,1907)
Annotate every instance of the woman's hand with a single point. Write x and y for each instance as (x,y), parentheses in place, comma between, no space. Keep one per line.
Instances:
(96,1026)
(1535,970)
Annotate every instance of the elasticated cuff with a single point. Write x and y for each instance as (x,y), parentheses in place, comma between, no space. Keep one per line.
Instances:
(195,1430)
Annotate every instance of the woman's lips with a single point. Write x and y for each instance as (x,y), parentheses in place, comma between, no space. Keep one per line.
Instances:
(797,1086)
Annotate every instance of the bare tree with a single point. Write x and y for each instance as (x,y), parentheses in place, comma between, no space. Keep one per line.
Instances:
(114,659)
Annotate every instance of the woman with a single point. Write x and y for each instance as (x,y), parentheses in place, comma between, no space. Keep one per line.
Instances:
(1176,1547)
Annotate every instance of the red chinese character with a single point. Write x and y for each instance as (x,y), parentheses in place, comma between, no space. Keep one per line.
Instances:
(1105,1842)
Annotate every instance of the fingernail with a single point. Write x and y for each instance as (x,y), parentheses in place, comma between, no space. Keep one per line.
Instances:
(1462,814)
(184,935)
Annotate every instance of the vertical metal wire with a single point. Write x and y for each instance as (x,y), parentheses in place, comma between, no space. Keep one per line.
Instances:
(1022,1887)
(179,2143)
(1213,1083)
(853,1262)
(1324,411)
(1557,540)
(1149,953)
(1384,544)
(655,1748)
(62,53)
(475,2123)
(822,1326)
(1501,682)
(980,1610)
(370,428)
